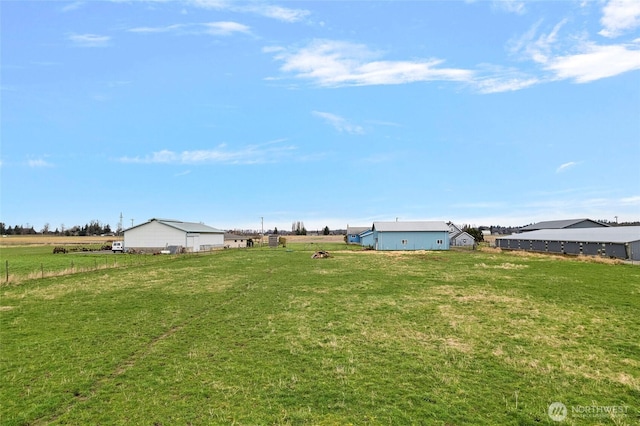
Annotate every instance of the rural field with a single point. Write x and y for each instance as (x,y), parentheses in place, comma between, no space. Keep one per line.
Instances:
(272,336)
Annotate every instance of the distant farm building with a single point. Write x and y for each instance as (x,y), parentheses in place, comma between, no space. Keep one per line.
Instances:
(564,224)
(173,235)
(235,241)
(462,239)
(353,233)
(620,242)
(458,237)
(423,235)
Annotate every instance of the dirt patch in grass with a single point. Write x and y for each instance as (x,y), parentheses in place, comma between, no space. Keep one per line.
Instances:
(457,344)
(501,266)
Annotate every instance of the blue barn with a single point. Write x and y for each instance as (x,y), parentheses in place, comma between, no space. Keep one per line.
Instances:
(353,233)
(422,235)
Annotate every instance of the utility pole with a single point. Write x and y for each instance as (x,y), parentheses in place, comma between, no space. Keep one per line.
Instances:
(261,230)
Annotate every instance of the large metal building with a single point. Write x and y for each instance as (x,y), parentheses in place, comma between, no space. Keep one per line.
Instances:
(163,234)
(422,235)
(564,224)
(620,242)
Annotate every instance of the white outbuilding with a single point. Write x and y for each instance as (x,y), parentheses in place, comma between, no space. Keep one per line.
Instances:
(172,235)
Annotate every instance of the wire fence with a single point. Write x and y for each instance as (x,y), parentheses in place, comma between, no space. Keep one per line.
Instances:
(18,272)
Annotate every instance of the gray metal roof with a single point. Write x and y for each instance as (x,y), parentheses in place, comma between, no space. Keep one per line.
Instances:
(559,224)
(236,237)
(185,226)
(420,226)
(356,229)
(610,234)
(460,234)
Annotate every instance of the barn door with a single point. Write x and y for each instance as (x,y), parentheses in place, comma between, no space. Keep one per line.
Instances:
(193,242)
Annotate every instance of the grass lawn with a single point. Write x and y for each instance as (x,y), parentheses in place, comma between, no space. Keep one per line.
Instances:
(271,336)
(25,262)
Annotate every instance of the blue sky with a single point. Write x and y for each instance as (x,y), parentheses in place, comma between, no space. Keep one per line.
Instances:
(326,112)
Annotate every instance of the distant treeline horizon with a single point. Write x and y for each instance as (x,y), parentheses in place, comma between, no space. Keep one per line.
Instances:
(94,227)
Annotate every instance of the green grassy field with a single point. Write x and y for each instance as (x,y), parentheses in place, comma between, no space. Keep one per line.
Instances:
(20,263)
(271,336)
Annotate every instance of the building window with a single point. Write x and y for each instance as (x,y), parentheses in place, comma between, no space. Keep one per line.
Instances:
(404,242)
(439,242)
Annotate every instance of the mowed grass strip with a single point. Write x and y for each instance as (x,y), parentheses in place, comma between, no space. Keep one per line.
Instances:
(270,336)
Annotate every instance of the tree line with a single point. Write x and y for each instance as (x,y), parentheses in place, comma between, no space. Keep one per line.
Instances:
(92,228)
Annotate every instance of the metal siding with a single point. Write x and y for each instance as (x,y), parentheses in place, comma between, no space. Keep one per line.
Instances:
(367,240)
(418,240)
(554,247)
(586,224)
(539,246)
(153,235)
(571,247)
(591,249)
(462,240)
(616,250)
(353,238)
(634,250)
(618,234)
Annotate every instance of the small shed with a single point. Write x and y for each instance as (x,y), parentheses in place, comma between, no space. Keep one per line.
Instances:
(159,234)
(235,241)
(461,239)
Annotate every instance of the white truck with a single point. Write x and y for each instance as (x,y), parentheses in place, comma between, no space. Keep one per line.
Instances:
(117,246)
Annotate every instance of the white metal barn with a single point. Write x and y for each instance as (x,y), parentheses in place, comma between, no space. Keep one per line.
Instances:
(161,234)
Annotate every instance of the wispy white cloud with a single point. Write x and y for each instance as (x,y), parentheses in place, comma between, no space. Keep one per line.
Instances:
(280,13)
(630,201)
(222,28)
(498,83)
(73,6)
(575,57)
(276,12)
(619,17)
(336,63)
(511,6)
(339,123)
(251,154)
(596,62)
(89,40)
(38,163)
(565,166)
(164,29)
(225,28)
